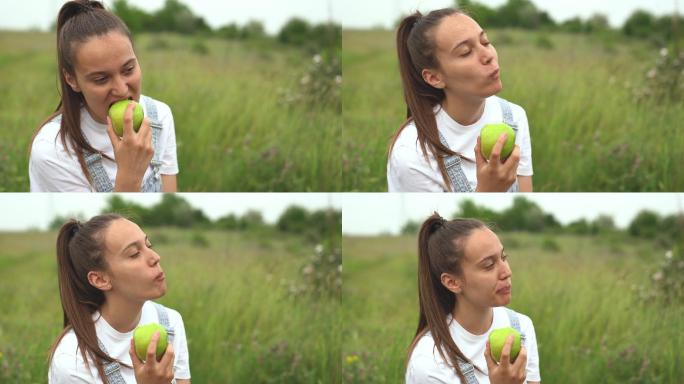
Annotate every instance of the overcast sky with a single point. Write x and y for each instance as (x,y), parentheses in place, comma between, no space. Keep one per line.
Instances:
(22,211)
(370,214)
(351,13)
(273,13)
(370,13)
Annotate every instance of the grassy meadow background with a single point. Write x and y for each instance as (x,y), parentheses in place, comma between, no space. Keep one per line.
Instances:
(581,292)
(241,122)
(588,133)
(240,295)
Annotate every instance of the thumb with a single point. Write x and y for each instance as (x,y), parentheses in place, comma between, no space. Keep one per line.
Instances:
(137,363)
(113,137)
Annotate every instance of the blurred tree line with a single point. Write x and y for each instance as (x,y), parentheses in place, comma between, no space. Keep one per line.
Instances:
(524,14)
(177,17)
(525,215)
(174,211)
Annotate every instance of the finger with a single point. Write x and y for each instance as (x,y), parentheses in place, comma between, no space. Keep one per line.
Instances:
(498,147)
(491,364)
(128,120)
(521,360)
(480,160)
(146,131)
(151,356)
(134,357)
(506,352)
(513,159)
(113,137)
(168,358)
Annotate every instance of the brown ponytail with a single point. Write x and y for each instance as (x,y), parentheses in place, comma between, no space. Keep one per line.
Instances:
(415,49)
(440,249)
(78,21)
(80,249)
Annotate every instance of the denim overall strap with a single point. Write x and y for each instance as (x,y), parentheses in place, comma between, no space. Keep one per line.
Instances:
(468,372)
(112,369)
(153,182)
(508,119)
(164,321)
(98,174)
(515,323)
(452,163)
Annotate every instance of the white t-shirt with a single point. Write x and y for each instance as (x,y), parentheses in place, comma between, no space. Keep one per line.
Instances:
(407,170)
(67,364)
(427,366)
(53,169)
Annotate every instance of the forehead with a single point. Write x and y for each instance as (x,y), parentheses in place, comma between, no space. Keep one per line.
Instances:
(455,28)
(120,233)
(103,53)
(481,243)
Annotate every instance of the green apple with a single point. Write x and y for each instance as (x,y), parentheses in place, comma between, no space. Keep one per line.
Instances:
(142,337)
(497,339)
(491,133)
(117,111)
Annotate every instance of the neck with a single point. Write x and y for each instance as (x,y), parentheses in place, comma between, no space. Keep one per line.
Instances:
(98,119)
(122,315)
(474,319)
(465,110)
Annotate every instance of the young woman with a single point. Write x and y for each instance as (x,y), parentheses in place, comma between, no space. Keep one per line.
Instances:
(107,274)
(450,74)
(464,281)
(76,149)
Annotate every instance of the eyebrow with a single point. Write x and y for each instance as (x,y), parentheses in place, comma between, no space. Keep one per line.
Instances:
(482,32)
(133,243)
(503,250)
(99,73)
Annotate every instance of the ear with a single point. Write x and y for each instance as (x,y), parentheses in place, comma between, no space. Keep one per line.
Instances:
(433,78)
(452,283)
(71,80)
(100,280)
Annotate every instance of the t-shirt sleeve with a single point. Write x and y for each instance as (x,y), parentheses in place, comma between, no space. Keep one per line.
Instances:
(408,171)
(66,368)
(48,170)
(533,373)
(169,158)
(180,346)
(424,369)
(525,143)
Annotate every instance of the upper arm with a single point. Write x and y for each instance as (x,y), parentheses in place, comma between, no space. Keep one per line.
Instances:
(182,381)
(169,183)
(408,171)
(525,183)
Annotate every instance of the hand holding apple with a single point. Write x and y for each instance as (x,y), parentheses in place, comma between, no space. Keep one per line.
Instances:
(142,337)
(117,114)
(497,339)
(494,175)
(491,133)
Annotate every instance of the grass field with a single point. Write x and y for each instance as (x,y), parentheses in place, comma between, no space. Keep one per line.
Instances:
(587,132)
(232,289)
(234,132)
(591,326)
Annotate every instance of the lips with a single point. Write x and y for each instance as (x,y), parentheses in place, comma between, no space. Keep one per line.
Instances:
(160,277)
(504,290)
(494,74)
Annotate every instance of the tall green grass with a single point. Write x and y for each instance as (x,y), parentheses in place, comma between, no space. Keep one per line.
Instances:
(590,324)
(587,132)
(232,289)
(234,131)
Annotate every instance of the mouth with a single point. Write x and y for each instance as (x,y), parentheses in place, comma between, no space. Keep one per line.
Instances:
(494,74)
(116,101)
(504,290)
(160,277)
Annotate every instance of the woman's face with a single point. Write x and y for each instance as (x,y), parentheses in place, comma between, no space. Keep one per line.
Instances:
(486,275)
(106,71)
(133,266)
(468,63)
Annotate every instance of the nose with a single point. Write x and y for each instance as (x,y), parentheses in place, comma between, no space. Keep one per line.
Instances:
(488,54)
(153,258)
(505,272)
(119,87)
